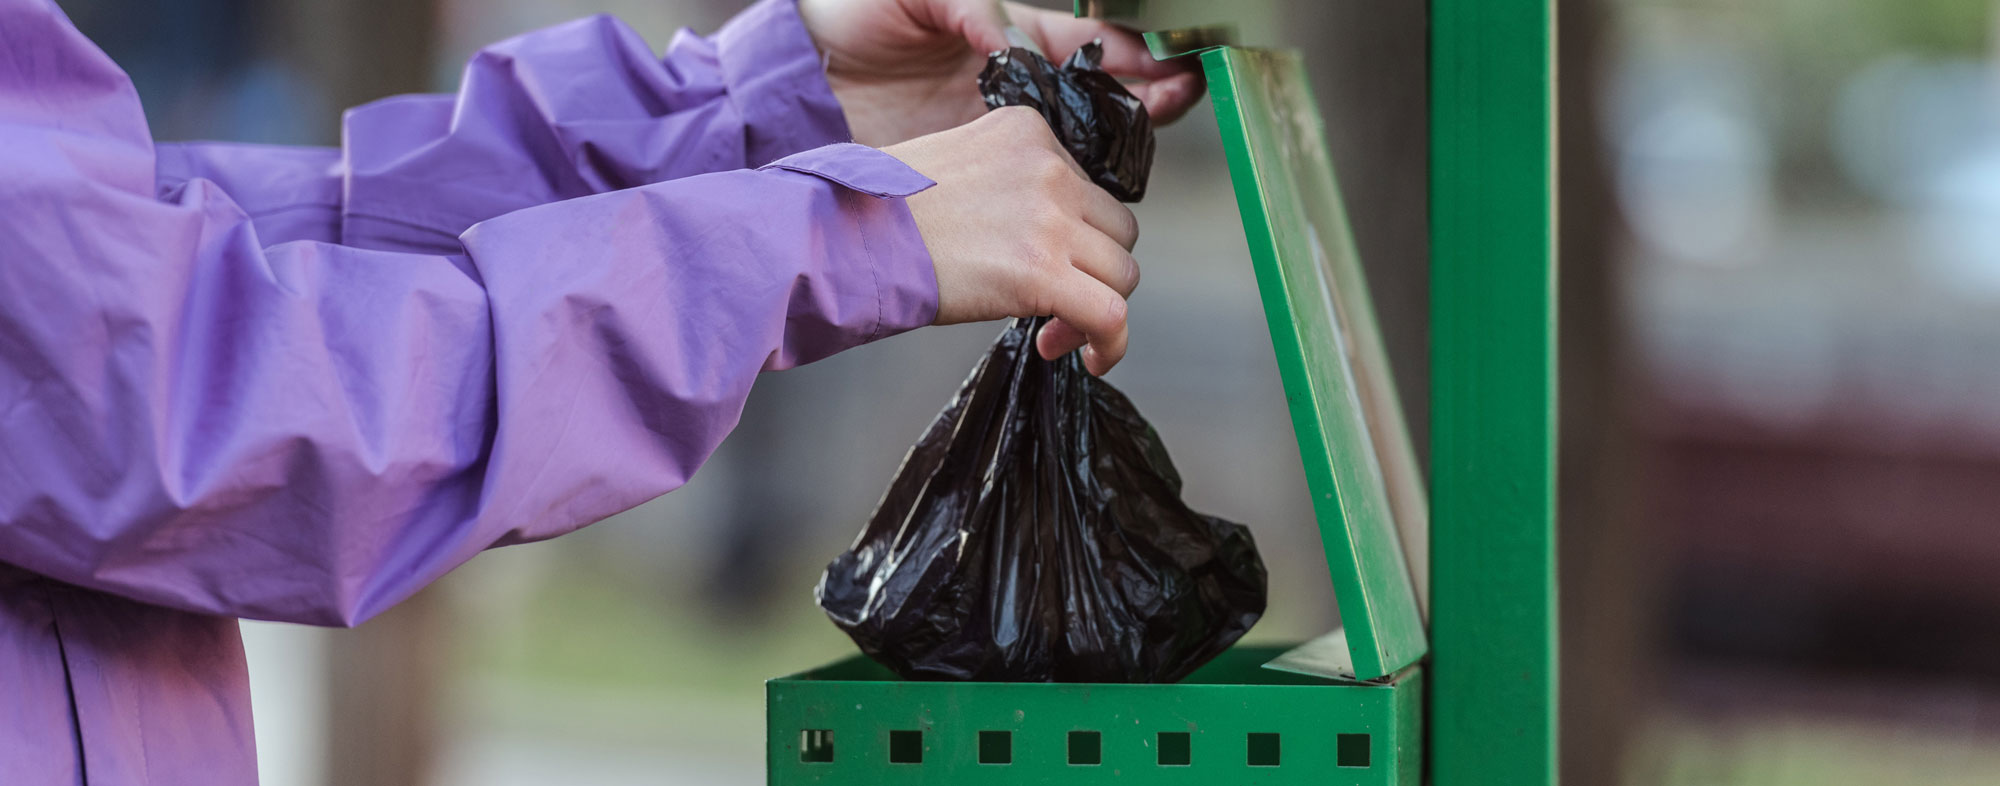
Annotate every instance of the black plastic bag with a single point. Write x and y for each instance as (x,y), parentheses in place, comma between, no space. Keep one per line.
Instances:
(1036,533)
(1104,126)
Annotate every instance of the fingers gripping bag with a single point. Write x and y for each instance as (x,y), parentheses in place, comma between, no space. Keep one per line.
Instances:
(1104,127)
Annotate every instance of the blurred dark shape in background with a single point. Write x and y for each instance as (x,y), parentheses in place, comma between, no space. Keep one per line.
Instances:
(1780,474)
(1606,579)
(199,68)
(1811,286)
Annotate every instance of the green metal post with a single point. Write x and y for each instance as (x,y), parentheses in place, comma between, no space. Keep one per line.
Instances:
(1493,613)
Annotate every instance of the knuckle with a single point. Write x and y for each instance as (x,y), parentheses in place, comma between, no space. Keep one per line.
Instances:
(1012,114)
(1047,223)
(1017,118)
(1050,168)
(1114,310)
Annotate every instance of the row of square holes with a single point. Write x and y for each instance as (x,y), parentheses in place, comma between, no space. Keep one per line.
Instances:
(1086,748)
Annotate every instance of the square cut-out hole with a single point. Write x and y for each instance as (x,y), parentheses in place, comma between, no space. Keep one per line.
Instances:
(1263,749)
(1086,747)
(1176,749)
(816,746)
(1351,750)
(996,747)
(906,747)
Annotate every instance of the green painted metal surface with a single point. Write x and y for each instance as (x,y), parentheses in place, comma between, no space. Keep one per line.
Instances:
(852,723)
(1493,389)
(1351,434)
(1169,44)
(1233,721)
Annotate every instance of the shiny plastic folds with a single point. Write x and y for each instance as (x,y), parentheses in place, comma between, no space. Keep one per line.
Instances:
(1036,533)
(1104,126)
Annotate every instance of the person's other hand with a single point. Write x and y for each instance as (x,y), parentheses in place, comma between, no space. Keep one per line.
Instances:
(905,68)
(1015,229)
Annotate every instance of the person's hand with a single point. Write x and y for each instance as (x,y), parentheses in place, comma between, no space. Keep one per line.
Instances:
(905,68)
(1015,229)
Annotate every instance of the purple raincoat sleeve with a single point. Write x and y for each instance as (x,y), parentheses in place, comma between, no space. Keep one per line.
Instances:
(577,109)
(195,416)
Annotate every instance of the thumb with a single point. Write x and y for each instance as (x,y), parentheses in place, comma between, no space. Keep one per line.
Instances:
(983,23)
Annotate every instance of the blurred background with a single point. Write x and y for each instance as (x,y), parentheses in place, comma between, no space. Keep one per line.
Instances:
(1781,403)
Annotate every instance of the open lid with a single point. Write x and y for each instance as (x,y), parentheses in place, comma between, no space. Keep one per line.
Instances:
(1354,443)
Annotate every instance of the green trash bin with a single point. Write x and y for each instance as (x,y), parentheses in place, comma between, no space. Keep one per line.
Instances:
(1346,708)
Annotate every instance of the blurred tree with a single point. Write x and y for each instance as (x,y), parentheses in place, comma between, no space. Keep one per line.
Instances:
(1607,582)
(385,681)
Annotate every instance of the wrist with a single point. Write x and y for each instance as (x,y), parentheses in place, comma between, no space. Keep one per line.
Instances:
(772,67)
(862,106)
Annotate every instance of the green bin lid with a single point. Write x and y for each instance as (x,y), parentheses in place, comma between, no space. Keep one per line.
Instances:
(1354,443)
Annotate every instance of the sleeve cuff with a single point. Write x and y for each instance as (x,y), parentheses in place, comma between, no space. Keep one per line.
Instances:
(778,83)
(899,267)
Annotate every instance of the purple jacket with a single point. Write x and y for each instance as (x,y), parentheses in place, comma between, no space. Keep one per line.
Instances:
(300,384)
